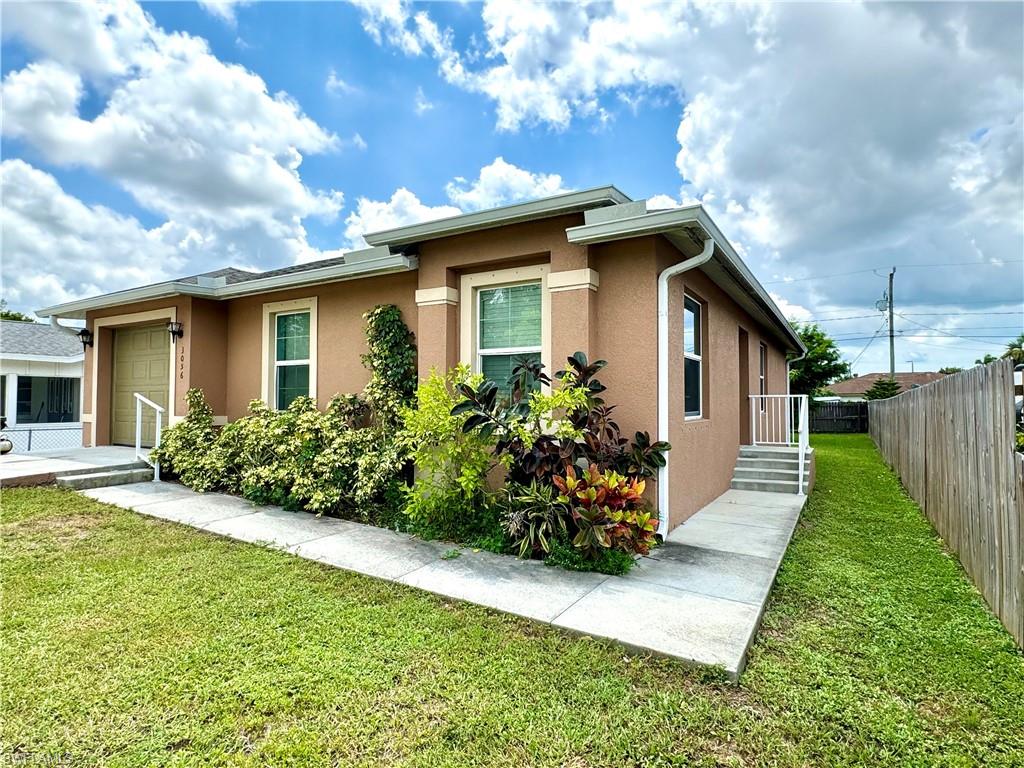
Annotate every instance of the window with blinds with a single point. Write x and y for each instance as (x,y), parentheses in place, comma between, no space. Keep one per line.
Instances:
(508,329)
(693,359)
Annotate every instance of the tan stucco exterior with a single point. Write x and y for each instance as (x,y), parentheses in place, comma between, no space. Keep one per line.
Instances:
(613,316)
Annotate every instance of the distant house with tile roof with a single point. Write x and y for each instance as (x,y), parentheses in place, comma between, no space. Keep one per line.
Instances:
(855,387)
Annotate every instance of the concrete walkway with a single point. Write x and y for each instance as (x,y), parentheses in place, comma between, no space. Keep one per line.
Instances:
(698,598)
(42,467)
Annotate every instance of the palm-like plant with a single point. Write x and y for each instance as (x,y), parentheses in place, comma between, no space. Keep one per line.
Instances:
(1015,350)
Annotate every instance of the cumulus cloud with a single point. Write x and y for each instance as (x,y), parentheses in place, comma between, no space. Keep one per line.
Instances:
(501,183)
(421,104)
(335,85)
(403,208)
(498,183)
(823,138)
(194,139)
(55,248)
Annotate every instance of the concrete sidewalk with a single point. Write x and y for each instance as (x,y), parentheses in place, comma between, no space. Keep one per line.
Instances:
(698,598)
(43,467)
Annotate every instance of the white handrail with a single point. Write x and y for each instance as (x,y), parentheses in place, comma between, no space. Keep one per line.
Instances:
(772,423)
(141,400)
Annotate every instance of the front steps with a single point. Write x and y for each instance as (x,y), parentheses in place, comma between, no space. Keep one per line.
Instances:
(770,468)
(137,472)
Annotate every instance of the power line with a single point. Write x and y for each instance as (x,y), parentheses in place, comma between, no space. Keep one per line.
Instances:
(900,266)
(861,354)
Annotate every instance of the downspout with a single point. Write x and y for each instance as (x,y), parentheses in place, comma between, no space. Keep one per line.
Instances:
(663,430)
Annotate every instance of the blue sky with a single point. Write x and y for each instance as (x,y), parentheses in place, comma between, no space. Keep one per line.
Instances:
(145,142)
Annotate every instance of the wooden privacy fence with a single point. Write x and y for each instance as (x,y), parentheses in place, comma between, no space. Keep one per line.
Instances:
(839,417)
(951,442)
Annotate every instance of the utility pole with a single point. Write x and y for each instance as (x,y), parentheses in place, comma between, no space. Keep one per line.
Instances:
(892,337)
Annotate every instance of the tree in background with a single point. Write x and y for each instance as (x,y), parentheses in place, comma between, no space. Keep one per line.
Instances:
(882,389)
(822,365)
(10,314)
(1015,350)
(950,369)
(986,360)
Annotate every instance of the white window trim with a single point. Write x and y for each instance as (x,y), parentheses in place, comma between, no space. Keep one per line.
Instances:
(470,287)
(699,343)
(270,362)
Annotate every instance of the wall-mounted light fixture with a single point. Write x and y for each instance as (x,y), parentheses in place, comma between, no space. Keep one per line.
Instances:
(177,330)
(85,336)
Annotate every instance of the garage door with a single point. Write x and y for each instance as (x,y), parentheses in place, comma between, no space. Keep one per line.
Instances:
(141,360)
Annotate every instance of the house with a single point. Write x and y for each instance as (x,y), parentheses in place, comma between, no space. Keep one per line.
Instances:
(40,385)
(854,388)
(688,331)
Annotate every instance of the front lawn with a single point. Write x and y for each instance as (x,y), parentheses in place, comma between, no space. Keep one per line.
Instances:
(130,641)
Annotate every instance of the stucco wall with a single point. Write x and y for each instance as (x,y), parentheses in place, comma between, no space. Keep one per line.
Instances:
(340,335)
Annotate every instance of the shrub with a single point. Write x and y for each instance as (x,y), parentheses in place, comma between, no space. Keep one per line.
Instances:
(544,434)
(391,360)
(533,516)
(451,493)
(184,447)
(608,510)
(614,562)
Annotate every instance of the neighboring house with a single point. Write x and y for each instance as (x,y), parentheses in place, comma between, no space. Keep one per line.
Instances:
(40,385)
(580,271)
(853,389)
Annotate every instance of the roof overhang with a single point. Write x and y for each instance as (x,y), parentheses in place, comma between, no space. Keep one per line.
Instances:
(367,263)
(556,205)
(21,358)
(683,227)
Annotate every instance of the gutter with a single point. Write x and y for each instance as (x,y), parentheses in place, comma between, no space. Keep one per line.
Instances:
(663,425)
(374,262)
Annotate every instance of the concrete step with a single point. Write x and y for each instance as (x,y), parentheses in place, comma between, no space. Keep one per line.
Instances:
(137,464)
(105,479)
(751,461)
(768,452)
(767,473)
(771,486)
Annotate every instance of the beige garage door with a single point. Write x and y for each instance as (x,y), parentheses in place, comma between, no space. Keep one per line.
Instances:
(141,360)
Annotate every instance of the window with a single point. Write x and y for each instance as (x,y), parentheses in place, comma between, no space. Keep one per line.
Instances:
(693,363)
(291,357)
(508,329)
(47,399)
(762,372)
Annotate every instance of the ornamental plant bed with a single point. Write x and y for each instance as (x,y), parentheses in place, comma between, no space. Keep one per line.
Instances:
(571,488)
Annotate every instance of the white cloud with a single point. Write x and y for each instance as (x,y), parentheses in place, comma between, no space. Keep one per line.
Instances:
(404,207)
(823,138)
(501,183)
(337,86)
(194,139)
(421,104)
(56,248)
(222,9)
(498,183)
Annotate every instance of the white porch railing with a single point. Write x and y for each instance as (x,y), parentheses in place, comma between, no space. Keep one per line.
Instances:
(781,420)
(141,400)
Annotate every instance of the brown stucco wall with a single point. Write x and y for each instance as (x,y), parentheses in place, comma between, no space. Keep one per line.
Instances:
(340,335)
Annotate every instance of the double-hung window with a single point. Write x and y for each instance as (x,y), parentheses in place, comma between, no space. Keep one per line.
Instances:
(508,329)
(291,357)
(762,372)
(693,362)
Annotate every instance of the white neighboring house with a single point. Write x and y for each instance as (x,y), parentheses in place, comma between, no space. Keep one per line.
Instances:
(41,385)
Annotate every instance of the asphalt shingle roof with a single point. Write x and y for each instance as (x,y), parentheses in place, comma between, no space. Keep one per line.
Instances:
(858,385)
(22,338)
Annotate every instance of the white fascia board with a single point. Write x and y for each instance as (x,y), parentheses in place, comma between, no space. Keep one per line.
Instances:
(364,267)
(659,222)
(570,202)
(70,360)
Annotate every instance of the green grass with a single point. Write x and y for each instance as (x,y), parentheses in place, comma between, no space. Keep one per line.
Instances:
(128,641)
